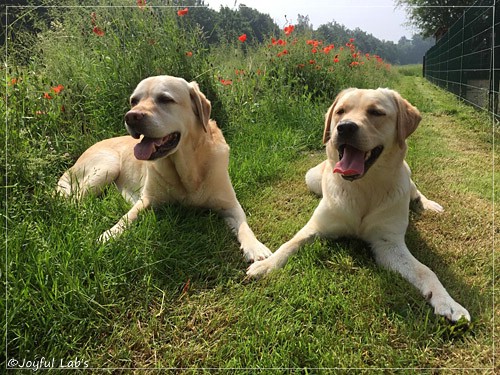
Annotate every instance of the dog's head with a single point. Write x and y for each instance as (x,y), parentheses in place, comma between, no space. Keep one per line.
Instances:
(164,110)
(363,126)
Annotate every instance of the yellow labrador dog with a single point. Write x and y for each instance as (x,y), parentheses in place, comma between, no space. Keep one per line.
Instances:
(366,189)
(174,153)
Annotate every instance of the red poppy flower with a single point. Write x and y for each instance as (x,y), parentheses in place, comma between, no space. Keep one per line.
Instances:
(182,12)
(98,31)
(57,89)
(141,3)
(328,48)
(14,81)
(242,38)
(189,54)
(289,29)
(226,82)
(46,95)
(284,52)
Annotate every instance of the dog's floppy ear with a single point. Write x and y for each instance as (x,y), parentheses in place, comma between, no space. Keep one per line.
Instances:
(329,115)
(201,105)
(408,119)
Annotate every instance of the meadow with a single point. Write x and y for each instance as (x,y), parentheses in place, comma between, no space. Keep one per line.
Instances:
(171,291)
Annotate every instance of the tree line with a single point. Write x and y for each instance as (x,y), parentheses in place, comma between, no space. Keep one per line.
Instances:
(226,24)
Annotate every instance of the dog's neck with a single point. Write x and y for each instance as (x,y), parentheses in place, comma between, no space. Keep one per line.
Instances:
(186,161)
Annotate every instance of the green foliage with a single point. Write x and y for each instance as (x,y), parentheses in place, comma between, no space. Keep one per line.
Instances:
(434,17)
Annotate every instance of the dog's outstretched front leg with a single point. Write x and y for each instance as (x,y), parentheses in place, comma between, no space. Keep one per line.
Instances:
(125,220)
(280,257)
(395,256)
(253,249)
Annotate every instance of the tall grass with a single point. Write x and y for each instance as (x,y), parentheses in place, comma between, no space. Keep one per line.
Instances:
(168,293)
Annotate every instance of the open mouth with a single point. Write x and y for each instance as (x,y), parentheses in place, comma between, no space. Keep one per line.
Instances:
(354,163)
(154,148)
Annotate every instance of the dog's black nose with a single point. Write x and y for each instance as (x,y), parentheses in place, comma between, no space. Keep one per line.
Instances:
(134,117)
(347,128)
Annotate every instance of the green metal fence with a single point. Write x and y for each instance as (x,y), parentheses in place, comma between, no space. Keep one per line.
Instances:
(466,60)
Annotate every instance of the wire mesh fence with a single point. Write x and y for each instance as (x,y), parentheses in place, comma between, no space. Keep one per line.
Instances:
(466,60)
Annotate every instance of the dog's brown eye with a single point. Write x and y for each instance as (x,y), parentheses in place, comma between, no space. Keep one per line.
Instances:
(375,112)
(164,99)
(134,101)
(340,111)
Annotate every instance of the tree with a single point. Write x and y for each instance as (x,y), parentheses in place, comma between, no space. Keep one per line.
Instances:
(434,17)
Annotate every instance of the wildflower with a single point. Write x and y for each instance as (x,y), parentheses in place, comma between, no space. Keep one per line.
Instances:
(98,31)
(314,43)
(182,12)
(314,50)
(312,62)
(57,89)
(336,59)
(284,52)
(242,38)
(189,54)
(14,81)
(289,29)
(226,82)
(301,66)
(141,3)
(328,48)
(351,40)
(46,95)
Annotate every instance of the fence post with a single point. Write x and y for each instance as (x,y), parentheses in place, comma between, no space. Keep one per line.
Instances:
(462,86)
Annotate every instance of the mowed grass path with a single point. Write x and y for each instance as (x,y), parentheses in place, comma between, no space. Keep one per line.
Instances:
(171,292)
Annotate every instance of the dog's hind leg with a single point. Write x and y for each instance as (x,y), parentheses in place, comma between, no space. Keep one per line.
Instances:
(90,174)
(419,202)
(314,177)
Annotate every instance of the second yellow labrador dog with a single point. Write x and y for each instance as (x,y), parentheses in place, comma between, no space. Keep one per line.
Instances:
(174,153)
(366,189)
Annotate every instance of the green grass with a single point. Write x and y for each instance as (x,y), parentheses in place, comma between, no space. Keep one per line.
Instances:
(171,291)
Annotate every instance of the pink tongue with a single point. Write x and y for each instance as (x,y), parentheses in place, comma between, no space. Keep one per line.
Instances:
(146,147)
(352,163)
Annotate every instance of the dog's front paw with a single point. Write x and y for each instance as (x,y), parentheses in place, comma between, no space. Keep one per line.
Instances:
(111,233)
(432,206)
(105,237)
(451,310)
(261,268)
(258,251)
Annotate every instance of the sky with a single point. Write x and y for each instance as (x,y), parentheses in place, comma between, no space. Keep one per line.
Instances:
(376,17)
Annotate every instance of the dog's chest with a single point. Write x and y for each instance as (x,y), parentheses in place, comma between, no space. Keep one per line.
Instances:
(359,210)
